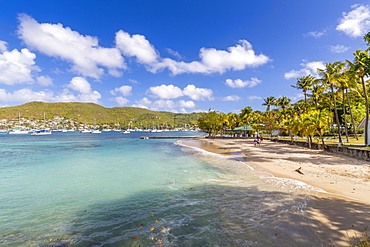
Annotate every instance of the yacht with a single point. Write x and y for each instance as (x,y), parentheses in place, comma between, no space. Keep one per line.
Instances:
(18,132)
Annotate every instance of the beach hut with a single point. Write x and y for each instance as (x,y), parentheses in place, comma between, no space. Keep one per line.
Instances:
(241,131)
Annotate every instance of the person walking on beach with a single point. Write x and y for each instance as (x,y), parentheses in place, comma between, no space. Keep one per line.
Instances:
(256,142)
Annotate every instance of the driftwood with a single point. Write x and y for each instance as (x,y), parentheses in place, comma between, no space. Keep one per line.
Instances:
(299,170)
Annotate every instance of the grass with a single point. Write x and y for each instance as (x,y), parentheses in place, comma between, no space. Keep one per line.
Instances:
(352,142)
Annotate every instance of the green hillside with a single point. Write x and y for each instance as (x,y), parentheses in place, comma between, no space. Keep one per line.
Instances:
(88,113)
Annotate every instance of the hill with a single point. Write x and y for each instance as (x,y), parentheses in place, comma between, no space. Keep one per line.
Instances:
(88,113)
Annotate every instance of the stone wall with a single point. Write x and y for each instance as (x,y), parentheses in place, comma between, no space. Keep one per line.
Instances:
(353,152)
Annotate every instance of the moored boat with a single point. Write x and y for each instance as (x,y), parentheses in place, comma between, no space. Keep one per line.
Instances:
(18,132)
(41,133)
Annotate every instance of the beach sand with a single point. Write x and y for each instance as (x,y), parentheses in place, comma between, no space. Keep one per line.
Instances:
(340,214)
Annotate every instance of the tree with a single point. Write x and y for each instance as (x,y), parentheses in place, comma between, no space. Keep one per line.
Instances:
(269,101)
(361,68)
(283,102)
(317,122)
(209,121)
(304,83)
(245,116)
(330,76)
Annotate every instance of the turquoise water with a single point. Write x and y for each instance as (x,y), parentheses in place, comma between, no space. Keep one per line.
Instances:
(112,189)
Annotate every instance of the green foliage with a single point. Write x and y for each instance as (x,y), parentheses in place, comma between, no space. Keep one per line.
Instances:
(89,113)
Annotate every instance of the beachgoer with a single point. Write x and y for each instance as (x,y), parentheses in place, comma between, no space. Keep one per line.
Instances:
(256,142)
(261,139)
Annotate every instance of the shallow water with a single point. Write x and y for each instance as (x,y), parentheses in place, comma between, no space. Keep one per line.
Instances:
(114,189)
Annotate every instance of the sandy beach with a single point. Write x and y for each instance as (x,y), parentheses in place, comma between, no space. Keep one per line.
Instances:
(342,212)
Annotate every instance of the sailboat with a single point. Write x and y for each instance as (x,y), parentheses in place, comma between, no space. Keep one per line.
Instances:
(18,131)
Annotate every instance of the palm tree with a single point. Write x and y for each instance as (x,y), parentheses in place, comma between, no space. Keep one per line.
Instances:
(317,122)
(304,83)
(283,102)
(245,116)
(317,91)
(330,76)
(269,101)
(361,68)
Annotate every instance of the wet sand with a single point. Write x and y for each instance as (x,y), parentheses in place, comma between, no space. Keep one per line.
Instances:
(339,215)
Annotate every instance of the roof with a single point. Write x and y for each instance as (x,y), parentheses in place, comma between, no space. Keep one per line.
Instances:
(244,127)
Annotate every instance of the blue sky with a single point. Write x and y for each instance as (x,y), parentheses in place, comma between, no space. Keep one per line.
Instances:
(179,56)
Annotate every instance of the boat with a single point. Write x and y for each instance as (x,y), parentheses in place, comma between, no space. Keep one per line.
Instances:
(155,131)
(95,131)
(41,133)
(85,131)
(125,132)
(18,132)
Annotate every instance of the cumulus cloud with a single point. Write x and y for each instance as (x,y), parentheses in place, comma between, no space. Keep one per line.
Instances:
(236,57)
(16,67)
(195,93)
(167,105)
(44,81)
(232,98)
(166,91)
(3,46)
(172,92)
(121,100)
(239,83)
(26,95)
(308,68)
(355,23)
(83,52)
(123,90)
(338,48)
(186,104)
(136,46)
(82,86)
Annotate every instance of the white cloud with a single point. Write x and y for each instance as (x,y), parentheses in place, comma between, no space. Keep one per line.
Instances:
(143,103)
(136,46)
(237,57)
(121,101)
(124,90)
(308,68)
(3,46)
(16,67)
(355,23)
(315,34)
(174,53)
(26,95)
(232,98)
(84,52)
(239,83)
(82,86)
(44,81)
(166,91)
(186,104)
(297,97)
(198,93)
(167,105)
(338,48)
(254,97)
(133,81)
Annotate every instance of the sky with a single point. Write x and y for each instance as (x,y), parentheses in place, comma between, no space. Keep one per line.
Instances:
(178,56)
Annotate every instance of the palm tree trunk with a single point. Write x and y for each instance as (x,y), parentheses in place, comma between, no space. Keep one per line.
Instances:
(344,116)
(336,114)
(351,114)
(367,111)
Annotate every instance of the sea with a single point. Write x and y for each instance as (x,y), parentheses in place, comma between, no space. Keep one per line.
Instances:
(113,189)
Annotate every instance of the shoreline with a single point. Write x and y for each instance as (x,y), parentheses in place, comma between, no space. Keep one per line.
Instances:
(339,214)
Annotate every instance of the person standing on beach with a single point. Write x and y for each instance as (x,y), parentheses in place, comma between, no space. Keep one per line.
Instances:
(256,142)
